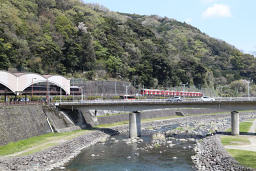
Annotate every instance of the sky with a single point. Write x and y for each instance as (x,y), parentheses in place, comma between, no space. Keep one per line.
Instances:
(233,21)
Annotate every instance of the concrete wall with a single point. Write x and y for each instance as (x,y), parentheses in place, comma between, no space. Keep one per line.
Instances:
(20,122)
(24,121)
(55,117)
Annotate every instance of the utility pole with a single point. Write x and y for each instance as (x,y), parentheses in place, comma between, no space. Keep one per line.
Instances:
(60,94)
(248,88)
(47,91)
(183,88)
(126,89)
(32,87)
(82,91)
(73,89)
(143,94)
(115,88)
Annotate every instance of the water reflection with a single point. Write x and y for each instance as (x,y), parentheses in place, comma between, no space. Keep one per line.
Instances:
(118,155)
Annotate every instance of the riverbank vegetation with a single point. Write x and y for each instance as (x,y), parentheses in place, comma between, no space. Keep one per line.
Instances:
(243,126)
(71,38)
(244,157)
(38,143)
(234,140)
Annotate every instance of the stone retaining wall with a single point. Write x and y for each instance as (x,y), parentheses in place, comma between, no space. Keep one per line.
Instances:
(20,122)
(25,121)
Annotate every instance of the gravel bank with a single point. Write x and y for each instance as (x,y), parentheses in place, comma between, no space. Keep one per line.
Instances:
(53,157)
(210,154)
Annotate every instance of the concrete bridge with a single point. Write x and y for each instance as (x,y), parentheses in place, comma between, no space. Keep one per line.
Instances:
(136,106)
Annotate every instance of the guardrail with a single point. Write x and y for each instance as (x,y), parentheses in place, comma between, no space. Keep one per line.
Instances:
(218,99)
(21,103)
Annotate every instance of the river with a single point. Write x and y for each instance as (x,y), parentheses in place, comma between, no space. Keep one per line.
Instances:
(116,154)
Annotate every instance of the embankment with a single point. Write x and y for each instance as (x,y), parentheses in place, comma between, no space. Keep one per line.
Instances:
(20,122)
(24,121)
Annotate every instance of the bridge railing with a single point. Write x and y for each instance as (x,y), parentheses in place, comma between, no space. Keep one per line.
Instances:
(219,99)
(235,98)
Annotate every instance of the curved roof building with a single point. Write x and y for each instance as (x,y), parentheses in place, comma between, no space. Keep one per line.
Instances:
(17,83)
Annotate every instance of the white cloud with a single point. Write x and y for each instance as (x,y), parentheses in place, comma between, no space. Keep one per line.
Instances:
(217,10)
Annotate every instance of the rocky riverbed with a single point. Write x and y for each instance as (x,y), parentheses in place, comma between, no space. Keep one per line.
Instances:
(209,153)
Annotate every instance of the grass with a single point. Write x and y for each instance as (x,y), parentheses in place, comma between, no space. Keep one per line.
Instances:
(14,147)
(112,124)
(243,127)
(40,148)
(234,140)
(246,158)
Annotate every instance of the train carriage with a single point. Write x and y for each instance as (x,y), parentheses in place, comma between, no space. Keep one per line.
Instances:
(168,93)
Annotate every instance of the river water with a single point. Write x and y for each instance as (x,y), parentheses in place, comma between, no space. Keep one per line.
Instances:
(120,156)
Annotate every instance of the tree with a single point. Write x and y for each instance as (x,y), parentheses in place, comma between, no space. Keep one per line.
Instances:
(49,52)
(4,60)
(86,52)
(114,66)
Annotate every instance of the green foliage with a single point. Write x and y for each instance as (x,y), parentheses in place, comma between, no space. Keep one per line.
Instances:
(93,97)
(234,140)
(4,48)
(246,158)
(21,145)
(114,65)
(237,88)
(245,126)
(64,26)
(13,147)
(68,37)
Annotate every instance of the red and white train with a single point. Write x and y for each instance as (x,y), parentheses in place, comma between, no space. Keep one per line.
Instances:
(151,92)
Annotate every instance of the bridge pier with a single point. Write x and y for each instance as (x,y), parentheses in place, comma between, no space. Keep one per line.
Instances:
(134,124)
(235,123)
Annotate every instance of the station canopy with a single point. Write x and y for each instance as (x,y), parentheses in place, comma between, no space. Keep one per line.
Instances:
(18,82)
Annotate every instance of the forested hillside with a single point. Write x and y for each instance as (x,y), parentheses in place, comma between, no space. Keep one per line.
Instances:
(70,37)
